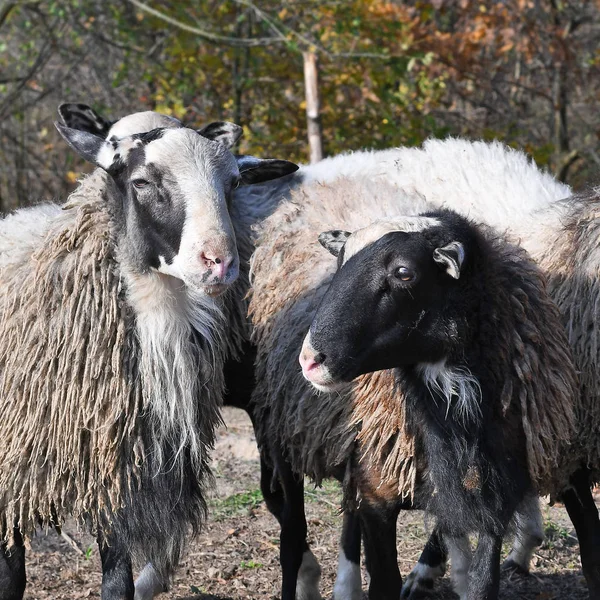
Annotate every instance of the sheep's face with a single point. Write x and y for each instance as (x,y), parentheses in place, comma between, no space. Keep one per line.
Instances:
(384,307)
(170,190)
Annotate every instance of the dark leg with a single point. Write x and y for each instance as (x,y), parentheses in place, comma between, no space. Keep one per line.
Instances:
(239,379)
(12,569)
(378,529)
(284,498)
(431,566)
(347,583)
(584,515)
(271,490)
(284,495)
(117,577)
(300,570)
(484,574)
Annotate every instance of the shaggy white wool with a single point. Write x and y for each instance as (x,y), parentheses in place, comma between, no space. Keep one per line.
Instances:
(167,314)
(454,385)
(488,182)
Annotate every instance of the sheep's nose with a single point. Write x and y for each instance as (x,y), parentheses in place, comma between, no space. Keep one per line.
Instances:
(309,361)
(217,263)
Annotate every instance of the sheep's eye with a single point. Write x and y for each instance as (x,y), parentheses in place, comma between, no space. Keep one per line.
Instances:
(235,184)
(139,184)
(404,274)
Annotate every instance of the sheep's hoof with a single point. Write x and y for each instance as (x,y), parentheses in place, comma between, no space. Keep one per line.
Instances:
(511,567)
(421,580)
(417,587)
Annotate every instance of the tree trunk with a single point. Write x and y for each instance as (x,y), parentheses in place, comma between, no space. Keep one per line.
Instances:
(311,85)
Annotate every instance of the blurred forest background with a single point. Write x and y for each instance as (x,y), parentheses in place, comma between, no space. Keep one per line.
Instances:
(390,73)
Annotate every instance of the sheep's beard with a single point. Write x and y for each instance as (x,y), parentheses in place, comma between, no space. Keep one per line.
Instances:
(179,333)
(456,386)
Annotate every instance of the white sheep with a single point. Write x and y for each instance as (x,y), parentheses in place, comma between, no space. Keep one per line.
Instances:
(114,327)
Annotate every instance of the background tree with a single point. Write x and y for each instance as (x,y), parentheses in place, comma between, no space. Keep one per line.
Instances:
(524,71)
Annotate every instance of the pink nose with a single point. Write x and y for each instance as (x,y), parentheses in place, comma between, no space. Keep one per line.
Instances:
(309,361)
(218,265)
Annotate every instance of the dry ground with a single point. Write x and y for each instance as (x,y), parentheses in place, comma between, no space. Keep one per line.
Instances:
(236,556)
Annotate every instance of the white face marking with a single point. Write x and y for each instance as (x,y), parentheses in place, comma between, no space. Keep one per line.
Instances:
(347,582)
(140,123)
(110,150)
(363,237)
(202,169)
(307,585)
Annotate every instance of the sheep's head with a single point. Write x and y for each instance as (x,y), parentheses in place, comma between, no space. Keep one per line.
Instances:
(169,189)
(387,303)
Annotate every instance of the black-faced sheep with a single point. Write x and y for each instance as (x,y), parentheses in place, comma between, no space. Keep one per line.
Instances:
(356,433)
(113,334)
(503,188)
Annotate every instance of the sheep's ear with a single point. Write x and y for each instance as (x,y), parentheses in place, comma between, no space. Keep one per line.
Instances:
(334,240)
(222,131)
(451,257)
(91,147)
(256,170)
(83,118)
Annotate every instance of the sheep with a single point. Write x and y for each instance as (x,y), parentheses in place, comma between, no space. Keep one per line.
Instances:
(354,434)
(459,314)
(113,335)
(562,238)
(503,188)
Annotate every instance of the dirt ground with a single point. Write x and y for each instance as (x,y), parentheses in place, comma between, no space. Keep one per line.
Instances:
(236,556)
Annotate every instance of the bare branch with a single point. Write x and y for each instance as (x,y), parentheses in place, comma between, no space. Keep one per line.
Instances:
(5,11)
(208,35)
(562,169)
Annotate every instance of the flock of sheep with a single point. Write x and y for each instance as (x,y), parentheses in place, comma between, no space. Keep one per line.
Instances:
(419,323)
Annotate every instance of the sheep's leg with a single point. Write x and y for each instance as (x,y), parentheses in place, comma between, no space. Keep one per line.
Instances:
(459,551)
(12,569)
(582,510)
(528,536)
(378,529)
(149,584)
(431,566)
(347,582)
(117,576)
(284,497)
(484,574)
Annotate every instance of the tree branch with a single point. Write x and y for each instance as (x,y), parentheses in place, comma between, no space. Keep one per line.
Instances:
(562,169)
(213,38)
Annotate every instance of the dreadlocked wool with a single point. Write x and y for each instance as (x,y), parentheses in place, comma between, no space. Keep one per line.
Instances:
(569,254)
(324,434)
(110,382)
